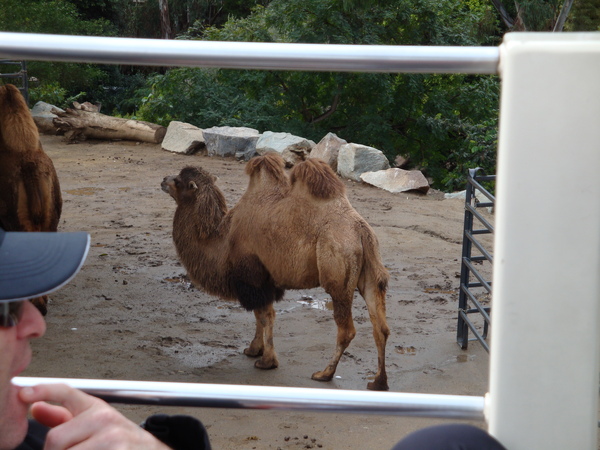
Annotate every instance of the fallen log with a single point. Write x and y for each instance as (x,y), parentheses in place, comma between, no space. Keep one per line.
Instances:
(83,121)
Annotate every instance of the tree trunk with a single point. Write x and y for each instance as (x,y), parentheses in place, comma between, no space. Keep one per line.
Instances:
(165,21)
(83,122)
(562,17)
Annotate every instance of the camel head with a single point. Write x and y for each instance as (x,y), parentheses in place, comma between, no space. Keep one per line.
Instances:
(187,183)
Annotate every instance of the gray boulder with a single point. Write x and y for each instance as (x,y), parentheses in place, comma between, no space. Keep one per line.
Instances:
(293,149)
(397,180)
(239,142)
(43,116)
(354,159)
(183,138)
(328,149)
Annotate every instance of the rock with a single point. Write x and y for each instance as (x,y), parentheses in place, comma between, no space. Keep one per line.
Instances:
(401,161)
(183,138)
(43,116)
(293,149)
(354,159)
(239,142)
(328,149)
(397,180)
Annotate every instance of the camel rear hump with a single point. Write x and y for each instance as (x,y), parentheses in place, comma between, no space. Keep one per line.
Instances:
(320,179)
(18,132)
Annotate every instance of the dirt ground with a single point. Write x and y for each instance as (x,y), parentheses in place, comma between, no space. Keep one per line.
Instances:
(130,313)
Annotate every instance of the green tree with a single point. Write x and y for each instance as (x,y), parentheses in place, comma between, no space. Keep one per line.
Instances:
(534,15)
(585,16)
(55,17)
(443,122)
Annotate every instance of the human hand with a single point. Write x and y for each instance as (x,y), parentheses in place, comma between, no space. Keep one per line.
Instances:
(84,421)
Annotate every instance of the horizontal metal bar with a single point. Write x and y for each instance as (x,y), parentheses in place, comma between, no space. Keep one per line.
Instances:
(480,188)
(250,55)
(479,217)
(273,398)
(487,255)
(483,310)
(476,333)
(475,272)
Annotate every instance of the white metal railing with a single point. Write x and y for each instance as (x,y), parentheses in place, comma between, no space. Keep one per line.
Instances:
(249,55)
(544,361)
(274,397)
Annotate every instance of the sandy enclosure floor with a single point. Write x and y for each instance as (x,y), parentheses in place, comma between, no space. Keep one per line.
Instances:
(131,313)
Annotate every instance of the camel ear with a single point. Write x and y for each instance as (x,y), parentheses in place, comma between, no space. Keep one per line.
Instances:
(192,185)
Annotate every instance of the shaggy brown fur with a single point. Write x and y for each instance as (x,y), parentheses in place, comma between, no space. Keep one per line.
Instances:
(30,198)
(285,233)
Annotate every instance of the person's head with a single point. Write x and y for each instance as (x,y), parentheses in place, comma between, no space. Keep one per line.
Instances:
(31,265)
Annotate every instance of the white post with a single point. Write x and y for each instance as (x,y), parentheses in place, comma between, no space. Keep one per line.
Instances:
(545,316)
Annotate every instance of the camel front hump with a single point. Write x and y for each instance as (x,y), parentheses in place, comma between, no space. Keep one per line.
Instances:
(286,232)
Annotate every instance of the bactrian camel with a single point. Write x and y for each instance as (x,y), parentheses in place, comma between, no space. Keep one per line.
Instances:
(30,198)
(295,231)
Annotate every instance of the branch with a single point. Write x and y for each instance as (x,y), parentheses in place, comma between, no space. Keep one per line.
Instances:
(562,17)
(330,111)
(508,21)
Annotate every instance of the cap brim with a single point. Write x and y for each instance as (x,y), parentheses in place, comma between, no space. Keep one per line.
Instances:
(33,264)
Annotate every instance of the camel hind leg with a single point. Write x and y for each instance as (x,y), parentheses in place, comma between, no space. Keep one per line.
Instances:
(338,276)
(374,296)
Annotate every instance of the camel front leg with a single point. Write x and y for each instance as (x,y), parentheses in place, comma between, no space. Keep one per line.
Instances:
(257,345)
(265,319)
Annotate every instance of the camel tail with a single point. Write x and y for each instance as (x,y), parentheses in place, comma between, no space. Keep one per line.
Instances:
(375,273)
(18,132)
(270,164)
(319,178)
(373,283)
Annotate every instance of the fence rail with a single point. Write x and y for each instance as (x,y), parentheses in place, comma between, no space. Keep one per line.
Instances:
(20,74)
(469,302)
(249,55)
(274,398)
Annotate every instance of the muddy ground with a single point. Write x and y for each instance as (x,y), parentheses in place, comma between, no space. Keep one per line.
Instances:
(131,314)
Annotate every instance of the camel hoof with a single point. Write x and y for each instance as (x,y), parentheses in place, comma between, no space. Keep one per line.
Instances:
(266,365)
(378,385)
(253,353)
(320,376)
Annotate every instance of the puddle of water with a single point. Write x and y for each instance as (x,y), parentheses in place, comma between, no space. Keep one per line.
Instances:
(406,350)
(84,191)
(315,303)
(440,291)
(179,280)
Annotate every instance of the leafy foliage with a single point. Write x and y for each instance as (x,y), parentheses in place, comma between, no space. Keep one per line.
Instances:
(444,123)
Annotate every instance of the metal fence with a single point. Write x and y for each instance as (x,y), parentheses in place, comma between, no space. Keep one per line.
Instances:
(18,73)
(475,295)
(543,383)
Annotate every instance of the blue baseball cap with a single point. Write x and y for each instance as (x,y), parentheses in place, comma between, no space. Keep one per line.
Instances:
(33,264)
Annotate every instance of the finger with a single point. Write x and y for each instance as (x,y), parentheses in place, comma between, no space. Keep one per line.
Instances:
(50,415)
(75,401)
